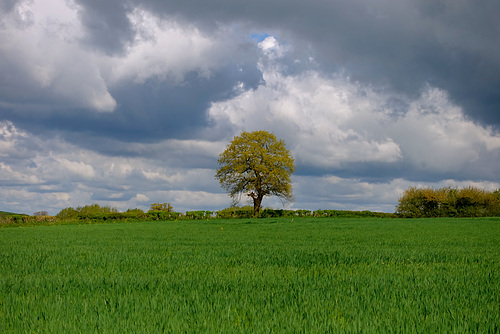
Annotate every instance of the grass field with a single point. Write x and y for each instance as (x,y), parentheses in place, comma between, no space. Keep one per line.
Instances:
(267,275)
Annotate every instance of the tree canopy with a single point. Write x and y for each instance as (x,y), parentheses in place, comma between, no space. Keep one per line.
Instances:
(256,163)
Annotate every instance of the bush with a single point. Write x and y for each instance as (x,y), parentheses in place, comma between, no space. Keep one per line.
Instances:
(67,213)
(351,214)
(198,214)
(271,213)
(163,215)
(448,202)
(25,220)
(236,212)
(167,207)
(85,212)
(247,212)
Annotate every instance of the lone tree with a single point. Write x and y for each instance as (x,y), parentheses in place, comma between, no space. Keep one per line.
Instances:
(259,164)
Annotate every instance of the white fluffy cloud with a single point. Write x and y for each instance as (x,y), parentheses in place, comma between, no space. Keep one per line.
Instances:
(435,135)
(329,122)
(272,48)
(314,115)
(165,50)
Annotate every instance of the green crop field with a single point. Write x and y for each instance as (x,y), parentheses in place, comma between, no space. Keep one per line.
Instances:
(310,275)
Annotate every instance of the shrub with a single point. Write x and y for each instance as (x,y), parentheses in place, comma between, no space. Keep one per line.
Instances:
(67,213)
(448,202)
(135,214)
(271,213)
(167,207)
(163,215)
(25,220)
(351,214)
(236,212)
(87,212)
(198,214)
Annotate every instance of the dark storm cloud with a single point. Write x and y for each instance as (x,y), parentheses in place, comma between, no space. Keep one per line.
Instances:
(107,25)
(150,111)
(385,172)
(161,110)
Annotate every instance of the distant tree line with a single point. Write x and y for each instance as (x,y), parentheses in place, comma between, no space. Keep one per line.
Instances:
(165,212)
(414,203)
(247,212)
(448,202)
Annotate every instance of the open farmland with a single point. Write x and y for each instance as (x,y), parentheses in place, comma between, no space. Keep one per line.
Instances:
(253,275)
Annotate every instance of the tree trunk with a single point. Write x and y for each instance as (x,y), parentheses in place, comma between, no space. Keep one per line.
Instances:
(257,201)
(256,206)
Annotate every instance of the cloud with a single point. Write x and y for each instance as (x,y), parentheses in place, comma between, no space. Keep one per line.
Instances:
(12,177)
(58,174)
(436,135)
(131,102)
(45,56)
(141,198)
(106,27)
(165,50)
(333,123)
(272,48)
(10,136)
(41,58)
(403,45)
(314,115)
(78,168)
(330,191)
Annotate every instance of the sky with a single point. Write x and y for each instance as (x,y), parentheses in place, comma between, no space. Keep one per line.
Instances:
(125,103)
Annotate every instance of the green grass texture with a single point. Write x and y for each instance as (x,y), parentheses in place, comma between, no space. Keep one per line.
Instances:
(307,275)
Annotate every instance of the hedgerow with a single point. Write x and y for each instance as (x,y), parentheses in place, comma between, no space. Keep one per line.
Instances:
(448,202)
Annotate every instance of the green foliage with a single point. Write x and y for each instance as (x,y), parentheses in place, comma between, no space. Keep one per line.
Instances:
(163,215)
(137,211)
(256,163)
(85,212)
(25,220)
(98,213)
(198,214)
(351,214)
(167,207)
(497,193)
(72,216)
(95,208)
(10,218)
(448,202)
(67,213)
(261,276)
(271,213)
(235,212)
(246,212)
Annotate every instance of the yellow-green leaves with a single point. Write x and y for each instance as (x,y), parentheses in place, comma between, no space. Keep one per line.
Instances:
(258,163)
(448,202)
